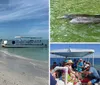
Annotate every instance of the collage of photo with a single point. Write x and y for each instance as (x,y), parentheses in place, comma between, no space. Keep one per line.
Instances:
(49,42)
(74,42)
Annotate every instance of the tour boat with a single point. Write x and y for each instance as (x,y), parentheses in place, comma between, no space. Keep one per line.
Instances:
(70,53)
(22,42)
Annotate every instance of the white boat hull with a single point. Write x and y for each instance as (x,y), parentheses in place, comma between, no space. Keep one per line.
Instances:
(23,46)
(22,43)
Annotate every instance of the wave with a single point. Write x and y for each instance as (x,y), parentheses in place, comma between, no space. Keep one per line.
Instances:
(21,57)
(38,65)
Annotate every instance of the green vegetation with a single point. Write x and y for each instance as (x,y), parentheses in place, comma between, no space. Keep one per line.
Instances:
(63,31)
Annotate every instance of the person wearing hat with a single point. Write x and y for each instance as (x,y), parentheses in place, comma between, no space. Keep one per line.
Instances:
(71,73)
(80,65)
(92,74)
(69,64)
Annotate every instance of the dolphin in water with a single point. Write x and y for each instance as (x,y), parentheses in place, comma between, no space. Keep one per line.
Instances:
(82,18)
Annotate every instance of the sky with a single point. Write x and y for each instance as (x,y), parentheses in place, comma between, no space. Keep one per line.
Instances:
(24,18)
(95,47)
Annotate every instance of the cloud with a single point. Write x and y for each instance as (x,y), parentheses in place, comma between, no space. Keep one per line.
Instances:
(23,9)
(40,32)
(24,17)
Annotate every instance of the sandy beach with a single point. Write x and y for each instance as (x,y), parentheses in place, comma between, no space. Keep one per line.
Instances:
(21,71)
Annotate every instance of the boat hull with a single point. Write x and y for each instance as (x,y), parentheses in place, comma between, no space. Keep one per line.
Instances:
(23,46)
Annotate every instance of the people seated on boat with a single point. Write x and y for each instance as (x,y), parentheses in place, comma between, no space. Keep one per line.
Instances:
(52,80)
(80,65)
(63,63)
(84,63)
(60,64)
(53,74)
(57,73)
(54,64)
(88,63)
(69,64)
(55,77)
(92,74)
(74,66)
(72,77)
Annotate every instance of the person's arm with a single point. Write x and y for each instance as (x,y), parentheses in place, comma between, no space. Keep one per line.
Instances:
(87,73)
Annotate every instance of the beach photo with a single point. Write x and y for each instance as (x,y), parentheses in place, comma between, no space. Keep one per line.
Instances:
(75,21)
(24,42)
(74,64)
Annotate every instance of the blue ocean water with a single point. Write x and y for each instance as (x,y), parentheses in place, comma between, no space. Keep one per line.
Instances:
(31,53)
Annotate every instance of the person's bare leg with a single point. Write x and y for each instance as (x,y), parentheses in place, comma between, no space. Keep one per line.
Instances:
(89,83)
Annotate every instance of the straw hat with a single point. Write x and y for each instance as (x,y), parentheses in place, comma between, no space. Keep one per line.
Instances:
(70,61)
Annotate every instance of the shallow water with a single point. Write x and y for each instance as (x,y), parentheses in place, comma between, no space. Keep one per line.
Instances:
(32,53)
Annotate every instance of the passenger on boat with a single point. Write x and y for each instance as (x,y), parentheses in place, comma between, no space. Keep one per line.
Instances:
(52,80)
(74,66)
(55,77)
(53,74)
(84,63)
(69,64)
(72,77)
(54,64)
(92,74)
(80,65)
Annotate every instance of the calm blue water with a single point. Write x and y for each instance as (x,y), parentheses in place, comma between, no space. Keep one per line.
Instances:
(32,53)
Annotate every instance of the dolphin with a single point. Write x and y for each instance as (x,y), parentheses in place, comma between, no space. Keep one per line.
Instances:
(81,18)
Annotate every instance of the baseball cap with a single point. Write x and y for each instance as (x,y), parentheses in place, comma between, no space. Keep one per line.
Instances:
(87,65)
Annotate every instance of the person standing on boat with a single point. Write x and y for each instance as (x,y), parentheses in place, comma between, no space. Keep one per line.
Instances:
(80,65)
(92,74)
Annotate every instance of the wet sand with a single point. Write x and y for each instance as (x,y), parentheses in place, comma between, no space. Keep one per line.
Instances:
(19,71)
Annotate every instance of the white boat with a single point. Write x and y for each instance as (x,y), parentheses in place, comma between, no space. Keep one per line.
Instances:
(22,42)
(71,53)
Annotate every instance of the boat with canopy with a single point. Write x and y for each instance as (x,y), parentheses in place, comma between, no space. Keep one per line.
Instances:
(71,53)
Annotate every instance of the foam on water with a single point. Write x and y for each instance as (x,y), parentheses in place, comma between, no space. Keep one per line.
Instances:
(22,64)
(10,54)
(21,57)
(35,65)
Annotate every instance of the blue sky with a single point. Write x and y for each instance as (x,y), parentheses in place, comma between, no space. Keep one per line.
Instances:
(23,17)
(96,47)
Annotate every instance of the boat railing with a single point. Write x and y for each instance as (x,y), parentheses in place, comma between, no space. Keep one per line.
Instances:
(20,37)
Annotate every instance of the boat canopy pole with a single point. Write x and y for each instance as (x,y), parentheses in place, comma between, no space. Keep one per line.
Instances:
(93,59)
(62,68)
